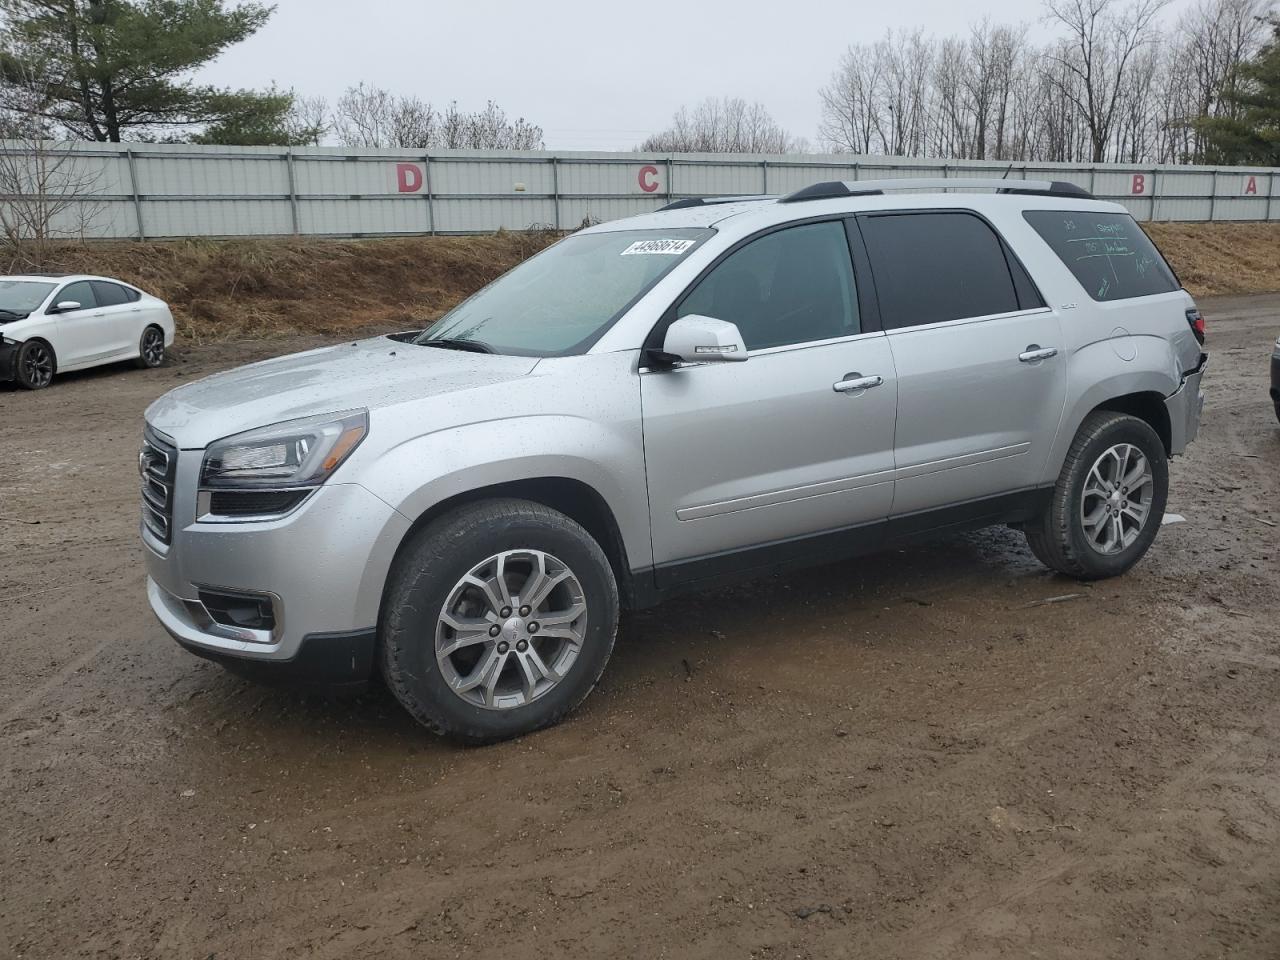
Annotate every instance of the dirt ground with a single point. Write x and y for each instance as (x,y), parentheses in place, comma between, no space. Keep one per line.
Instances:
(897,757)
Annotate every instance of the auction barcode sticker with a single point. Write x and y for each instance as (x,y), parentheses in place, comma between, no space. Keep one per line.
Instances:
(669,247)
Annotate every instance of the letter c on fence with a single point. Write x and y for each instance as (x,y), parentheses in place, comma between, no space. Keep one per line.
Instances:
(648,178)
(1139,183)
(408,178)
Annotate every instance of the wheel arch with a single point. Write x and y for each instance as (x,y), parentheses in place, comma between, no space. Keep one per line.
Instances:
(1146,405)
(48,343)
(577,500)
(1138,388)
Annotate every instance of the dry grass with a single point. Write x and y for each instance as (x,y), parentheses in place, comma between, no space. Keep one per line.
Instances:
(1222,258)
(222,289)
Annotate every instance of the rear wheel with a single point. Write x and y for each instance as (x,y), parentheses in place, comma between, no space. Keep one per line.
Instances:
(150,348)
(1109,501)
(498,620)
(36,364)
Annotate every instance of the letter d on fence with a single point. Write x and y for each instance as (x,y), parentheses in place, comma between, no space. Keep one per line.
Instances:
(408,177)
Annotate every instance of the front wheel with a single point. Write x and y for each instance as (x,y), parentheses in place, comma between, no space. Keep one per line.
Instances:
(1109,501)
(36,364)
(498,620)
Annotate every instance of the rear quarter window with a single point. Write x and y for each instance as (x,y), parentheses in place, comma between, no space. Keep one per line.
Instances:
(1108,253)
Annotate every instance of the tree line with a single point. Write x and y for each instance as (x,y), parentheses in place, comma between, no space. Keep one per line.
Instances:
(1111,86)
(1114,84)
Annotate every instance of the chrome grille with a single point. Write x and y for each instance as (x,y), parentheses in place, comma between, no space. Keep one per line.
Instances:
(157,463)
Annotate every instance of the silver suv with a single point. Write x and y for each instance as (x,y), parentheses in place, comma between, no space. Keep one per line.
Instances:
(725,387)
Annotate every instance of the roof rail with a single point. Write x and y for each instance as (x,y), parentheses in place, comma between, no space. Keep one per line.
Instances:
(863,188)
(709,201)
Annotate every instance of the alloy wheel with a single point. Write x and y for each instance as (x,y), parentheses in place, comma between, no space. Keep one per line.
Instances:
(511,629)
(37,365)
(153,347)
(1116,504)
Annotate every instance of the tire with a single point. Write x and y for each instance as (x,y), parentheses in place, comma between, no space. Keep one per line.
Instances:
(37,364)
(1060,538)
(150,349)
(430,578)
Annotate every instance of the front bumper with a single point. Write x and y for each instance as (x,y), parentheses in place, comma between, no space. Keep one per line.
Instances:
(322,568)
(9,359)
(1185,407)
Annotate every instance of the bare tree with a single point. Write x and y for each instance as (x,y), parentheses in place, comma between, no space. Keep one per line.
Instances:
(1102,40)
(373,117)
(725,125)
(48,191)
(1110,86)
(851,102)
(309,117)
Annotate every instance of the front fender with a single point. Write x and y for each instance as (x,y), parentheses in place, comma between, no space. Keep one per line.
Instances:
(1106,375)
(424,471)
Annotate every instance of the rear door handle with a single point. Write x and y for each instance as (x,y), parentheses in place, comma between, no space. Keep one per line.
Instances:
(853,382)
(1034,354)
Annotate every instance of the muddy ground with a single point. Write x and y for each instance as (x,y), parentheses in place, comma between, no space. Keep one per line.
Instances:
(896,757)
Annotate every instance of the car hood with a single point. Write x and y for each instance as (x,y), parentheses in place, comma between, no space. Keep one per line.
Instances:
(370,373)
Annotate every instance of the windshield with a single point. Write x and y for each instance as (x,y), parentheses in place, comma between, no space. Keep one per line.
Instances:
(22,296)
(565,298)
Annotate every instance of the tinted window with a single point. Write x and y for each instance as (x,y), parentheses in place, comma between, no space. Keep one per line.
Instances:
(132,295)
(109,294)
(791,286)
(81,292)
(1108,252)
(931,267)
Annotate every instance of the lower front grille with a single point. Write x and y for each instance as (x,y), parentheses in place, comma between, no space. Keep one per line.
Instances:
(158,465)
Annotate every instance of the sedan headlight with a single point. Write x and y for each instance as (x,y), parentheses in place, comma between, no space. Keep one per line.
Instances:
(296,453)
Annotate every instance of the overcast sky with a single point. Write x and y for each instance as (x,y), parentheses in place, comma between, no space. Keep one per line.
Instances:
(596,74)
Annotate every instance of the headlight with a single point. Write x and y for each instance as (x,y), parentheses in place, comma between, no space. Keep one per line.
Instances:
(296,453)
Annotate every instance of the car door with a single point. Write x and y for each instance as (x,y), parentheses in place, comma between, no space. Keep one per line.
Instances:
(121,318)
(82,334)
(981,372)
(793,443)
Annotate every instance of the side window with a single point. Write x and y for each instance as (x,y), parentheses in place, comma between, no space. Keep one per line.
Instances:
(1107,252)
(109,294)
(933,267)
(81,292)
(791,286)
(132,295)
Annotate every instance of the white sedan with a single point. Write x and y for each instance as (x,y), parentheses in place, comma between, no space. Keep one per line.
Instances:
(55,324)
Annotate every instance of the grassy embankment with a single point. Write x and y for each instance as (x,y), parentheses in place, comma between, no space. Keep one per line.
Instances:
(225,289)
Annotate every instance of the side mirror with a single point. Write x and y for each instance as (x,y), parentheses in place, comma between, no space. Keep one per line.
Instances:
(62,306)
(697,339)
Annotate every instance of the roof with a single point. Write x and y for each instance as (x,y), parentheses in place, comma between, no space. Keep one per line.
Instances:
(747,214)
(47,277)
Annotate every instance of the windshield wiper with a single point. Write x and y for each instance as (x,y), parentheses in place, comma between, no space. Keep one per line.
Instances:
(12,314)
(457,343)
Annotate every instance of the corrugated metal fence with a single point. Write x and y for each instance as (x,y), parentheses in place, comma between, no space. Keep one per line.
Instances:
(179,190)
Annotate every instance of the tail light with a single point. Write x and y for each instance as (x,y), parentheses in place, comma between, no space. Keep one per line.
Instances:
(1196,319)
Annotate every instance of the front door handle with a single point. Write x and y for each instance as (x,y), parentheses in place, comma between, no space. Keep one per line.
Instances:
(853,382)
(1035,353)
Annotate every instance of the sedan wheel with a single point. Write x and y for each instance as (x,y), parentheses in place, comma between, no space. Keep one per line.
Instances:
(35,365)
(151,348)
